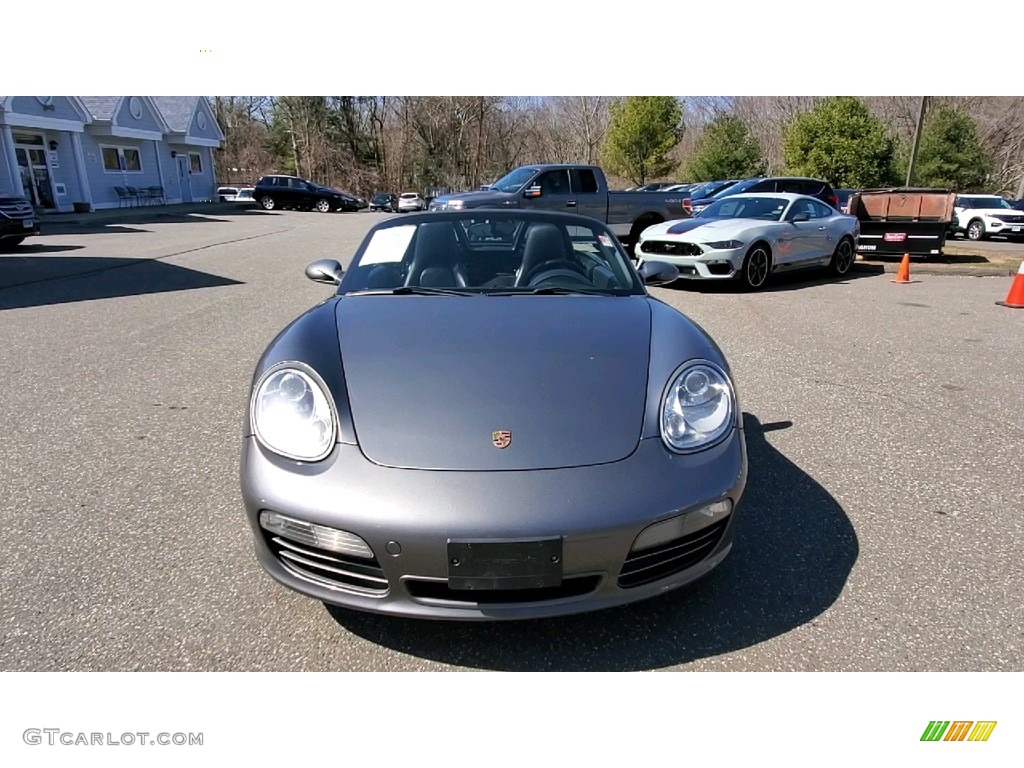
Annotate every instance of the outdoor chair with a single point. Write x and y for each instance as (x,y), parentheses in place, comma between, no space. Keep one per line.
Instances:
(125,197)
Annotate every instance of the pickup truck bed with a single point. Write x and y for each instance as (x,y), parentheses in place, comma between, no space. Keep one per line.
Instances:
(901,221)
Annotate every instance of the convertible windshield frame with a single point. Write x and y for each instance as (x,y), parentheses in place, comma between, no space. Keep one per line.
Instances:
(483,252)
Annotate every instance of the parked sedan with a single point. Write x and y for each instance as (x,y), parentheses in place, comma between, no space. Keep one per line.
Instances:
(751,236)
(430,441)
(411,201)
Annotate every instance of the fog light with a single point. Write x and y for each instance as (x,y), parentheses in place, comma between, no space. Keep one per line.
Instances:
(679,526)
(313,535)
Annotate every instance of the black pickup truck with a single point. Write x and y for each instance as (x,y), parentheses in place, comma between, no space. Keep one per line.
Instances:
(581,189)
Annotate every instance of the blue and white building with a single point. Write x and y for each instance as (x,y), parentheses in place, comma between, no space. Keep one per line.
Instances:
(62,150)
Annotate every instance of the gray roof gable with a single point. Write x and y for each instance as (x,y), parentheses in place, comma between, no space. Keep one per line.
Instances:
(100,107)
(177,110)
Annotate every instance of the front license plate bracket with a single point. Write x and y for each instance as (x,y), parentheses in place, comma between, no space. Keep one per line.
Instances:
(491,565)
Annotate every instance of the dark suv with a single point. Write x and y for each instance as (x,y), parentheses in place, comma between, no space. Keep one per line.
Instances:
(796,184)
(292,192)
(17,220)
(384,201)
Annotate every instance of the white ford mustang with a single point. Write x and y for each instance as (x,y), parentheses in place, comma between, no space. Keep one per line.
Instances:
(751,236)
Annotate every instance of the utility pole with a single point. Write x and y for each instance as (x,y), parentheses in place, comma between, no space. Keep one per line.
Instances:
(917,139)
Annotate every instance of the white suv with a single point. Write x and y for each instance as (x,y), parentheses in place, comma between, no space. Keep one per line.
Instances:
(980,216)
(411,201)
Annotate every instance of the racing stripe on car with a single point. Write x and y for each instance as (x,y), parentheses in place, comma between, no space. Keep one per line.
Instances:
(683,227)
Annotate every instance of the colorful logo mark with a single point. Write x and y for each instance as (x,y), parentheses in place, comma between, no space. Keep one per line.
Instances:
(958,730)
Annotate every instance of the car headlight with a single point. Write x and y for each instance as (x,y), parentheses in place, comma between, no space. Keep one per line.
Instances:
(456,205)
(722,245)
(698,408)
(292,416)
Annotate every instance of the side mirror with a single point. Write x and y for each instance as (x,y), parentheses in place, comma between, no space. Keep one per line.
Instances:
(533,191)
(802,216)
(325,271)
(658,273)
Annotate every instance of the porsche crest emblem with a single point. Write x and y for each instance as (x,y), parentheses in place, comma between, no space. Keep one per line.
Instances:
(501,438)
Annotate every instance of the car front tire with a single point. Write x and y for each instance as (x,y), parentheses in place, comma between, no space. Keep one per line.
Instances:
(11,243)
(324,206)
(756,267)
(267,202)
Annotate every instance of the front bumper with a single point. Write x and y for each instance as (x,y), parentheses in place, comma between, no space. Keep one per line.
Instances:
(12,228)
(598,511)
(712,265)
(1004,228)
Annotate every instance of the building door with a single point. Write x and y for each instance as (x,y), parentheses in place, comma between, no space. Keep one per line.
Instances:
(183,178)
(34,170)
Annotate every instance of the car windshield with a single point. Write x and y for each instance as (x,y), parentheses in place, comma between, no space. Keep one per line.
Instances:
(708,189)
(734,189)
(382,197)
(409,195)
(987,202)
(763,208)
(495,253)
(512,182)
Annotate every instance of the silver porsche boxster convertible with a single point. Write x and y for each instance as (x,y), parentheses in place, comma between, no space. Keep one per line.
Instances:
(491,418)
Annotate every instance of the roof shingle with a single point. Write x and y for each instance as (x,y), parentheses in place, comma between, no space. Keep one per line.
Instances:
(177,110)
(100,107)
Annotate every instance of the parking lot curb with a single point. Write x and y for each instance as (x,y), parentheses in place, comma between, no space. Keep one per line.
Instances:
(924,268)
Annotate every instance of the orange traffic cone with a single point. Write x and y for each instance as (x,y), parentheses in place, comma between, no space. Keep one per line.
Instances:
(1015,298)
(903,276)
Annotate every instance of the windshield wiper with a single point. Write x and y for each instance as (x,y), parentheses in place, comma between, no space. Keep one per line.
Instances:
(557,290)
(415,290)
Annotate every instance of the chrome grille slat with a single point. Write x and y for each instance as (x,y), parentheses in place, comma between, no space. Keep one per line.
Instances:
(327,568)
(297,558)
(16,210)
(670,558)
(663,552)
(331,559)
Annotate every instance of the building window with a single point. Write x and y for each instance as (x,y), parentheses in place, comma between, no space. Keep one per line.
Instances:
(201,120)
(121,160)
(195,162)
(135,107)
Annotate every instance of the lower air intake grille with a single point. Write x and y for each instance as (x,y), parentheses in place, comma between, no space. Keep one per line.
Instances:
(664,248)
(327,568)
(438,590)
(672,557)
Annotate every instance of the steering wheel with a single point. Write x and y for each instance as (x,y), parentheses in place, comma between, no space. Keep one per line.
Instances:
(564,266)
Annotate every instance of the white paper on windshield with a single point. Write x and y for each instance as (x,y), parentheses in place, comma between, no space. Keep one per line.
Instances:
(388,245)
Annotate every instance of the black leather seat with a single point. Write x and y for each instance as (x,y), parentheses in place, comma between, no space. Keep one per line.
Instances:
(544,242)
(437,259)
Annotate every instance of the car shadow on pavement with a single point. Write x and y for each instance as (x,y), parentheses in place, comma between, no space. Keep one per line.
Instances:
(791,281)
(32,281)
(131,221)
(794,550)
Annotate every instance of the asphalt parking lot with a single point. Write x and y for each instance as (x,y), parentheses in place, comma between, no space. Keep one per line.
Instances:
(882,528)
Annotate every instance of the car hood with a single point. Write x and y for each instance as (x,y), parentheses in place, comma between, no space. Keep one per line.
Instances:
(478,198)
(430,378)
(699,230)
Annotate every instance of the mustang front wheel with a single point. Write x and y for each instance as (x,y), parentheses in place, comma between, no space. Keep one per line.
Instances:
(756,267)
